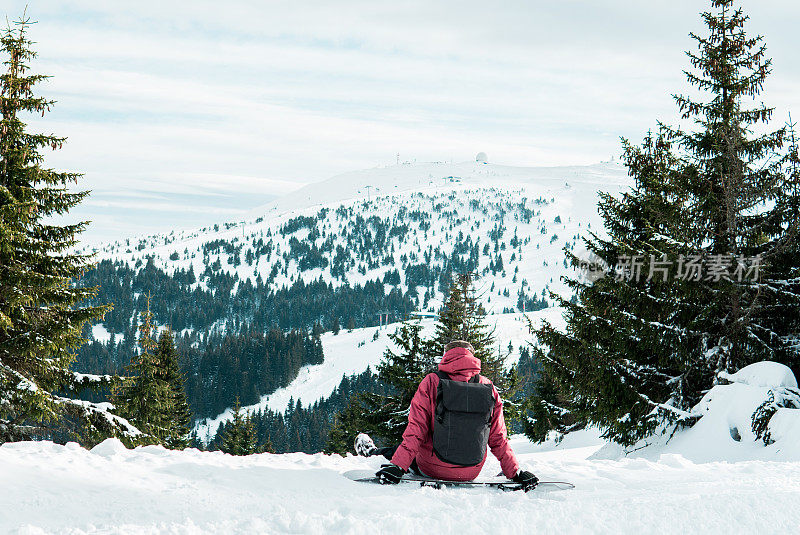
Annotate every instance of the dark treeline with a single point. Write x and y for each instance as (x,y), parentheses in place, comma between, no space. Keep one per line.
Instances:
(219,368)
(182,304)
(243,344)
(302,305)
(246,366)
(301,428)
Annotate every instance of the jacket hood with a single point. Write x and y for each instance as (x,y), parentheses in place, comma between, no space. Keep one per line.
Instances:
(460,364)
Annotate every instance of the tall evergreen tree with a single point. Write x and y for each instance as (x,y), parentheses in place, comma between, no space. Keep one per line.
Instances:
(179,415)
(463,317)
(617,351)
(41,318)
(643,344)
(153,397)
(739,190)
(144,398)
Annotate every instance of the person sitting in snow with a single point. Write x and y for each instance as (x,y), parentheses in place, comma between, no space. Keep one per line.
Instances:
(454,415)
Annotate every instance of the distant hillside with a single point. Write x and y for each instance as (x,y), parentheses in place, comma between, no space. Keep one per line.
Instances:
(421,222)
(342,254)
(351,353)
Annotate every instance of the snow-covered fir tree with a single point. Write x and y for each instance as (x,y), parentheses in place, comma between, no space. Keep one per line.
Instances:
(41,315)
(616,352)
(704,255)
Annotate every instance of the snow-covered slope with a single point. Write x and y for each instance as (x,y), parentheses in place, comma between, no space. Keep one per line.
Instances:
(353,352)
(359,226)
(437,176)
(111,490)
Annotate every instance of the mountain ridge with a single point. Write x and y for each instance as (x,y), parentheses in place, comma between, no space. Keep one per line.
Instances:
(410,176)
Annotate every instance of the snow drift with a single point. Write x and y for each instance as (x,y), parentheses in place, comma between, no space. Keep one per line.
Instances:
(754,416)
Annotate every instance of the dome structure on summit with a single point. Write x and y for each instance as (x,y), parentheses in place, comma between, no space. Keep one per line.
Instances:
(481,157)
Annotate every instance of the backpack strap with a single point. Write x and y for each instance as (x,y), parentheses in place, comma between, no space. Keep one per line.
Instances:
(475,378)
(439,409)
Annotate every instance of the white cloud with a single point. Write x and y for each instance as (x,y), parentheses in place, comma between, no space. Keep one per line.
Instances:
(197,98)
(163,207)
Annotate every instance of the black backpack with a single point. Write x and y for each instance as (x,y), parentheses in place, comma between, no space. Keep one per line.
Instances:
(462,420)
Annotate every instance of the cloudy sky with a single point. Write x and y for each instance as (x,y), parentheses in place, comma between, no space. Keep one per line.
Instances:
(181,114)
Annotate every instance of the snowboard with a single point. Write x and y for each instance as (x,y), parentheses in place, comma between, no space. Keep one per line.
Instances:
(501,483)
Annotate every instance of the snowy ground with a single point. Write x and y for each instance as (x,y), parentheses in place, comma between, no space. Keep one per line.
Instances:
(705,480)
(66,489)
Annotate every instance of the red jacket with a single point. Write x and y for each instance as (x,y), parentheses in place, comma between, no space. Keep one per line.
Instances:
(460,364)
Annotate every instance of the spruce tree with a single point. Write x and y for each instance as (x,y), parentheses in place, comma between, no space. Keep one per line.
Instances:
(401,370)
(740,192)
(451,319)
(41,315)
(643,344)
(463,317)
(179,414)
(144,398)
(239,436)
(618,347)
(153,396)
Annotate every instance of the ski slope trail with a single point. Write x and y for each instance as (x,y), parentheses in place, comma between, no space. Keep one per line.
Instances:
(352,352)
(150,490)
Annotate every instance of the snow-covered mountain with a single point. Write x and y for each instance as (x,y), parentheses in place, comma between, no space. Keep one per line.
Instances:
(408,226)
(719,476)
(510,222)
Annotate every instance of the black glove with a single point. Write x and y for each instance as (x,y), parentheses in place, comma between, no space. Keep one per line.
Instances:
(390,474)
(526,479)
